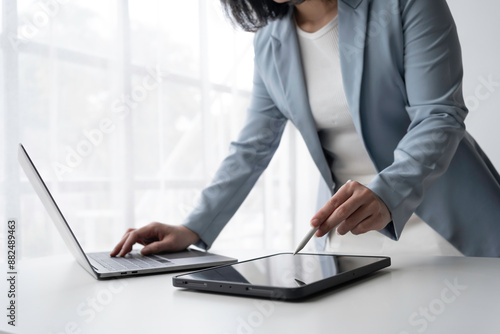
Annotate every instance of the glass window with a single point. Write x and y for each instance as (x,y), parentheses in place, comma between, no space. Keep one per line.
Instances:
(127,109)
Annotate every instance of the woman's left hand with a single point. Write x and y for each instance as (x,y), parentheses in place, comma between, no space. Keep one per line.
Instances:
(353,208)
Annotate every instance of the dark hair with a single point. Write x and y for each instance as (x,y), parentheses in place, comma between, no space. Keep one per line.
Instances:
(251,15)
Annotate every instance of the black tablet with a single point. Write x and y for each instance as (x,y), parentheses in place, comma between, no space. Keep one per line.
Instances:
(282,276)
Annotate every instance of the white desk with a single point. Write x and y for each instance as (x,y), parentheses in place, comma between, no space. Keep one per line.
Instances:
(414,295)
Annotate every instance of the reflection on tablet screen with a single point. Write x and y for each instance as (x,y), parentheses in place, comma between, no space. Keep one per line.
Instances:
(284,270)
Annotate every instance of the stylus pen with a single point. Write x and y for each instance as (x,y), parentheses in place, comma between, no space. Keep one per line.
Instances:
(308,236)
(306,239)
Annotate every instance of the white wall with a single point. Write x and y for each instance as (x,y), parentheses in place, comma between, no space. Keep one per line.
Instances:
(479,30)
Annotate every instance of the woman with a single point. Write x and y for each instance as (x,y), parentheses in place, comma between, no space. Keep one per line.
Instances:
(394,68)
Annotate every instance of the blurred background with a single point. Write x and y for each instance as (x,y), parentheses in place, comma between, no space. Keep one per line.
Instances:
(128,107)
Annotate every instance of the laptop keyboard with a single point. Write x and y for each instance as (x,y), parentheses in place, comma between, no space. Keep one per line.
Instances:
(132,261)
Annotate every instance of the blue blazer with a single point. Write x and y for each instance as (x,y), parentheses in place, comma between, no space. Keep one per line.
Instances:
(402,73)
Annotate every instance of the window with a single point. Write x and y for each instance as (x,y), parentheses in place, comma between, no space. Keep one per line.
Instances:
(127,108)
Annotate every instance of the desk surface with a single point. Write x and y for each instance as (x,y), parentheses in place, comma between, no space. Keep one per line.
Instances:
(414,295)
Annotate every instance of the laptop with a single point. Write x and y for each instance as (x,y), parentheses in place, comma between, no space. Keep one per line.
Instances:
(100,265)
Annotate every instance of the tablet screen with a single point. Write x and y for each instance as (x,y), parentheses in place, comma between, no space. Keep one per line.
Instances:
(284,270)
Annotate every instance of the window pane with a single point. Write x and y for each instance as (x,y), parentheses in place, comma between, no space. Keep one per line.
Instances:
(66,103)
(168,204)
(230,51)
(182,137)
(34,104)
(86,25)
(1,17)
(127,138)
(165,129)
(166,33)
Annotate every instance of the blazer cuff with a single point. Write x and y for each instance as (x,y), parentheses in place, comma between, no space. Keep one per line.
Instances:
(399,212)
(205,241)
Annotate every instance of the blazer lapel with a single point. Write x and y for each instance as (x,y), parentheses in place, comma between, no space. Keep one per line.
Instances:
(353,21)
(288,64)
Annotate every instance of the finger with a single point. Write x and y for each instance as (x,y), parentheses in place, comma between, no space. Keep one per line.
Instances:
(155,247)
(359,215)
(132,238)
(146,235)
(364,226)
(343,212)
(342,195)
(116,250)
(373,223)
(119,246)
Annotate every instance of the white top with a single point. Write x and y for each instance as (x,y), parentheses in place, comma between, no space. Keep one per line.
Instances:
(343,147)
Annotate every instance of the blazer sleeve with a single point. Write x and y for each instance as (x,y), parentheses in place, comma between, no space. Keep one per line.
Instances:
(433,77)
(248,157)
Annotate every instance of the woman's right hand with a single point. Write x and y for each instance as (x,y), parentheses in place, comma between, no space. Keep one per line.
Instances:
(156,238)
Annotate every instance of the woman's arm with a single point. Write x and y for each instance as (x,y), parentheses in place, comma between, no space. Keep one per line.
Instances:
(249,156)
(433,78)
